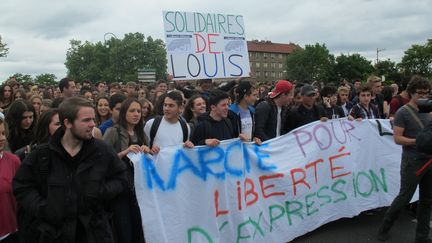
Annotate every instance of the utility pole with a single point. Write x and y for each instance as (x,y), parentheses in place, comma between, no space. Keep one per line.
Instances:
(378,51)
(117,54)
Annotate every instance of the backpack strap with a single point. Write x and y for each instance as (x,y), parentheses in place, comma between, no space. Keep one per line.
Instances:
(184,127)
(155,126)
(414,115)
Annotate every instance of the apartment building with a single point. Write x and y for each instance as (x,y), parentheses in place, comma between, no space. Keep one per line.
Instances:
(267,59)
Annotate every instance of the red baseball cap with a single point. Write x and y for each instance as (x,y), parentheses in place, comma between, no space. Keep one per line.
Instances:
(282,86)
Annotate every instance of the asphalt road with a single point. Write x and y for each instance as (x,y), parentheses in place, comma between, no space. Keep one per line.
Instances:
(361,229)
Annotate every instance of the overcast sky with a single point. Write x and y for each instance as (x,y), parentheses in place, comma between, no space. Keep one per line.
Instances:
(37,32)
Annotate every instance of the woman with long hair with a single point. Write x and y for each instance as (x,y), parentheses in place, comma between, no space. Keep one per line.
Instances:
(147,109)
(20,120)
(6,95)
(36,101)
(102,110)
(19,94)
(125,137)
(45,127)
(195,107)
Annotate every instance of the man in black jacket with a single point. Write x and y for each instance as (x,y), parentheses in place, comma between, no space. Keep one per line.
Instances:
(62,188)
(308,111)
(215,125)
(270,113)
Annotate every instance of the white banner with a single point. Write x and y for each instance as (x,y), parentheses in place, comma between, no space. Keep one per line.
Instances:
(276,192)
(205,45)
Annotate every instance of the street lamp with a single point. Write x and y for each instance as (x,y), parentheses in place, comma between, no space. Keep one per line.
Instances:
(117,53)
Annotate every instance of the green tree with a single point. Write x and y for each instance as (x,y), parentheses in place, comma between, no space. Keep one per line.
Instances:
(22,78)
(352,67)
(314,62)
(418,60)
(389,70)
(116,59)
(46,79)
(3,48)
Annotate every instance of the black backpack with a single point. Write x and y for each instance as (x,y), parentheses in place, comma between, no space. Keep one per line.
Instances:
(155,126)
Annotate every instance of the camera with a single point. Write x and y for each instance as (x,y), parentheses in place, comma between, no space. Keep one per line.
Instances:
(424,105)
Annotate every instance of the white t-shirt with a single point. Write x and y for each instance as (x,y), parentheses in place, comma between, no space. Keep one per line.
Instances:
(246,122)
(167,134)
(279,121)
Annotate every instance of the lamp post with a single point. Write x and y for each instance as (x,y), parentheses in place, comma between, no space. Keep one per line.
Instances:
(117,52)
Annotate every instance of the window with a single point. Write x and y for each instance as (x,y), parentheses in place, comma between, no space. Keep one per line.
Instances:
(265,65)
(258,73)
(273,74)
(265,55)
(280,55)
(257,65)
(265,74)
(280,65)
(273,55)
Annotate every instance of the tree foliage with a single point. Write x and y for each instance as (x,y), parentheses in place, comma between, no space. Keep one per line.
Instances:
(116,59)
(352,67)
(3,48)
(388,69)
(45,79)
(22,78)
(418,60)
(314,62)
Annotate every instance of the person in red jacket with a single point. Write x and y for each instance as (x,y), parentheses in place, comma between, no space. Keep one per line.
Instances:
(9,164)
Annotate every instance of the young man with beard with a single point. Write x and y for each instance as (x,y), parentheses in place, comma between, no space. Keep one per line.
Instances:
(171,128)
(63,187)
(67,87)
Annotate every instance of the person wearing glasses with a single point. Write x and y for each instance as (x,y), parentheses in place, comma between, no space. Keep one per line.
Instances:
(408,123)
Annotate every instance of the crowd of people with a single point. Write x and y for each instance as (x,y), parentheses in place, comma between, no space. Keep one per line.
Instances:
(64,171)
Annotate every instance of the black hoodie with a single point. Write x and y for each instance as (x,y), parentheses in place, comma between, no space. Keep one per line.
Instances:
(210,128)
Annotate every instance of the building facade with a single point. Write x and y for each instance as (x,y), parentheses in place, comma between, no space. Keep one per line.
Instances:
(268,60)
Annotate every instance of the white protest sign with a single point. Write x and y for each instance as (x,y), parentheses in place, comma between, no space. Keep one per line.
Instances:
(290,185)
(205,45)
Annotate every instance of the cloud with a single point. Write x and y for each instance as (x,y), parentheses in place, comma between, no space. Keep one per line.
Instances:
(38,32)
